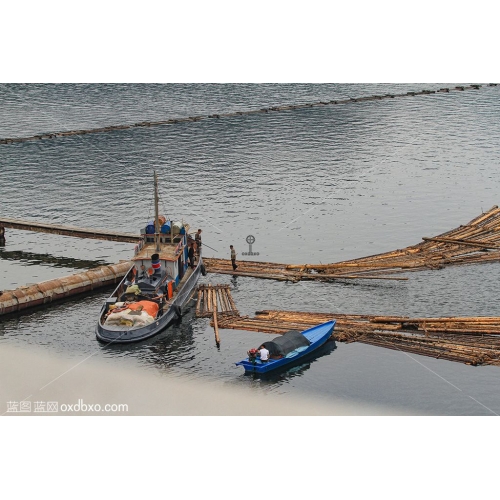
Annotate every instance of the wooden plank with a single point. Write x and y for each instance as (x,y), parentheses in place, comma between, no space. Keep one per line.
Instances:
(198,303)
(76,232)
(457,241)
(216,328)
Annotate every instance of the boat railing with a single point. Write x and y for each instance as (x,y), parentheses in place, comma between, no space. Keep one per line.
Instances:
(139,247)
(186,287)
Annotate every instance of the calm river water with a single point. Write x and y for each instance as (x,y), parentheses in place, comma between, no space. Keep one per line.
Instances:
(313,185)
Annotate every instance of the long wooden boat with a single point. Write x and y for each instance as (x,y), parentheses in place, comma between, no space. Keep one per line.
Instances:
(156,288)
(288,348)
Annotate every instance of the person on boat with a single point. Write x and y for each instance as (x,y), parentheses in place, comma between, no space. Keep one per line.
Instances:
(233,257)
(131,277)
(197,239)
(263,354)
(191,255)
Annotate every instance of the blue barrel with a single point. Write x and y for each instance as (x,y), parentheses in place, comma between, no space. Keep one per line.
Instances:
(165,228)
(150,228)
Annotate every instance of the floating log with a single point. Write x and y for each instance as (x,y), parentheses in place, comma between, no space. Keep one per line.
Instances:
(216,328)
(76,232)
(198,305)
(458,241)
(12,301)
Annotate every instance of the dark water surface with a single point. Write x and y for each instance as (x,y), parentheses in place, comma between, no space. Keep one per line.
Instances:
(312,185)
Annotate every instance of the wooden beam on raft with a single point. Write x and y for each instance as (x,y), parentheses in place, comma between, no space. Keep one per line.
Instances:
(216,328)
(198,303)
(205,302)
(458,241)
(329,277)
(234,310)
(222,305)
(221,294)
(75,232)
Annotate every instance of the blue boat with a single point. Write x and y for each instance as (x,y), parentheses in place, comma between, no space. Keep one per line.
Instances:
(288,348)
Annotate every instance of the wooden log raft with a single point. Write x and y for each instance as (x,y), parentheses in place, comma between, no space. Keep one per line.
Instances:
(473,243)
(215,299)
(469,340)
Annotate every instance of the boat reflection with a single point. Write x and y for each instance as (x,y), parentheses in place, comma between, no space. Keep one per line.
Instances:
(36,259)
(173,346)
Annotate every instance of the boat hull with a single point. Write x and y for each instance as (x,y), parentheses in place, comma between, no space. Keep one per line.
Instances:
(120,336)
(317,335)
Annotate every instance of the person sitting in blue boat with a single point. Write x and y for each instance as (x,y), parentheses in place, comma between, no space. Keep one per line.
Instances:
(263,354)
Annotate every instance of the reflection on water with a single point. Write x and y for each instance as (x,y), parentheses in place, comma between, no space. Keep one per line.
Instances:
(296,368)
(173,346)
(36,259)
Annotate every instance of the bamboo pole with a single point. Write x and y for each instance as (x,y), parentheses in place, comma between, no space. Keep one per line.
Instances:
(222,307)
(205,301)
(210,300)
(198,303)
(216,328)
(461,242)
(220,304)
(310,277)
(406,319)
(233,305)
(225,295)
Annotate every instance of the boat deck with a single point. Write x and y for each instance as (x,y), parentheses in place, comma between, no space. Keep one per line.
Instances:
(179,287)
(167,252)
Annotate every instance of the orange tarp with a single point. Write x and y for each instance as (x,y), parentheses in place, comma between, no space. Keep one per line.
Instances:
(147,306)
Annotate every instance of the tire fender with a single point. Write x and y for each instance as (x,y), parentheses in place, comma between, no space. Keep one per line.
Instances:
(177,311)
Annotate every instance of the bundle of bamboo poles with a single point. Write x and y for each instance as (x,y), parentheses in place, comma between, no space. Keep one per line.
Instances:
(284,272)
(470,340)
(215,298)
(475,242)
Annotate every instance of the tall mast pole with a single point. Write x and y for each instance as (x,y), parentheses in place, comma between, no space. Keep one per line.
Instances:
(157,219)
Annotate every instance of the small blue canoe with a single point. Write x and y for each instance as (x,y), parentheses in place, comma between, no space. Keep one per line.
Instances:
(290,347)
